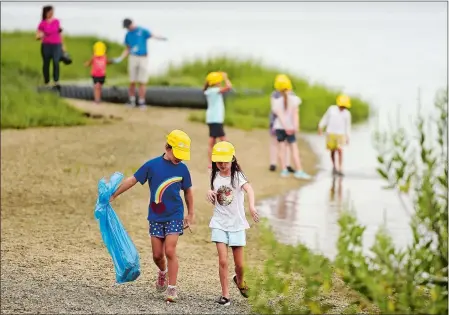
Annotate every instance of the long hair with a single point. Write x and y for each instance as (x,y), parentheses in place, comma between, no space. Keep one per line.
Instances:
(206,86)
(285,96)
(45,11)
(235,169)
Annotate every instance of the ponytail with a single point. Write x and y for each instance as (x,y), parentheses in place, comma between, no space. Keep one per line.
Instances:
(284,94)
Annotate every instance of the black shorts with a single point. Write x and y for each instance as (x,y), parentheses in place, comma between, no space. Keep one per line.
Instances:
(281,135)
(216,130)
(100,80)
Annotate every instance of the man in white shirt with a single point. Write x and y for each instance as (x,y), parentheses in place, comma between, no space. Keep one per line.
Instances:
(337,121)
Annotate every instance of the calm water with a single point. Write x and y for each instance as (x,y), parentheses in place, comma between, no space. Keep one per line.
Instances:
(383,51)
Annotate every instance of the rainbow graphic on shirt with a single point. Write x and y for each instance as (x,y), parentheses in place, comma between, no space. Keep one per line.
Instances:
(163,186)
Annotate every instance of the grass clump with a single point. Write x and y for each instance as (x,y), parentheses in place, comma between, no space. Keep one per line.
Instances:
(390,280)
(22,106)
(252,111)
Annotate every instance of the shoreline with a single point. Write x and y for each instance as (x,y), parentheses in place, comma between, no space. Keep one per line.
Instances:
(66,253)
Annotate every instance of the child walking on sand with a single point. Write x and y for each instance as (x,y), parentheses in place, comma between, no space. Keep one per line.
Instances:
(286,124)
(215,113)
(337,121)
(274,142)
(166,177)
(228,223)
(98,63)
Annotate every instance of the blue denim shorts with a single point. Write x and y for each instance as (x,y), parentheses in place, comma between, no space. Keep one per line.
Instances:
(237,238)
(162,229)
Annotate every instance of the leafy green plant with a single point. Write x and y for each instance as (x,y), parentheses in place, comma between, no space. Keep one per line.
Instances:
(414,279)
(387,280)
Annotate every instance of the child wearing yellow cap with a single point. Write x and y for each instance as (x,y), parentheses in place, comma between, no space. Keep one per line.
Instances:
(286,124)
(227,187)
(166,176)
(215,113)
(98,63)
(337,121)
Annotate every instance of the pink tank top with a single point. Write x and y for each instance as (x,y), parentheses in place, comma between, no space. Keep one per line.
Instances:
(99,66)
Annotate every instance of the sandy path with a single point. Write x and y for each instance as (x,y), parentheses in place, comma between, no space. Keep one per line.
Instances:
(53,259)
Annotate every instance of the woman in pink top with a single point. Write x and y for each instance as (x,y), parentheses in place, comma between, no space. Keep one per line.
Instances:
(49,32)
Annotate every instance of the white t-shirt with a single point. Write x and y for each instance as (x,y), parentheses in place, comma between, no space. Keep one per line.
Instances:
(229,211)
(336,121)
(277,106)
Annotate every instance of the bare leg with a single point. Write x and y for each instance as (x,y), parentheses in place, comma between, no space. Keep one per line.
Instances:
(157,245)
(288,156)
(223,268)
(281,154)
(97,92)
(142,93)
(340,160)
(273,150)
(170,251)
(296,158)
(238,261)
(132,92)
(333,159)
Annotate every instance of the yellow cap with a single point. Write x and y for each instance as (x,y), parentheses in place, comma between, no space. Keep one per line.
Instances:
(344,101)
(180,143)
(223,152)
(214,78)
(99,49)
(282,82)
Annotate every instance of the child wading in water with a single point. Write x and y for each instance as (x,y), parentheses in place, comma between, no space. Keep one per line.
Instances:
(98,62)
(166,176)
(215,113)
(228,224)
(337,121)
(286,124)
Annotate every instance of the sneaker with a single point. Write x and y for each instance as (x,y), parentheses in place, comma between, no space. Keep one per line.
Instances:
(171,295)
(161,283)
(302,175)
(290,169)
(223,301)
(285,173)
(272,168)
(244,289)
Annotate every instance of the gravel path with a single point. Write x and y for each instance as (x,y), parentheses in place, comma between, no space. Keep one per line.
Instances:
(52,256)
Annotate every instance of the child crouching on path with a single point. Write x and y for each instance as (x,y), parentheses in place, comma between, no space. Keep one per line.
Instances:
(166,176)
(228,223)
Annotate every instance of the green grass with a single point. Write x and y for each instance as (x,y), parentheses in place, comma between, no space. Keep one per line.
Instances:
(21,64)
(249,112)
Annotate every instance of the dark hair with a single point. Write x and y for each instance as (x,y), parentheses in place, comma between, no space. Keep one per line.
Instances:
(45,11)
(167,146)
(235,169)
(284,95)
(206,86)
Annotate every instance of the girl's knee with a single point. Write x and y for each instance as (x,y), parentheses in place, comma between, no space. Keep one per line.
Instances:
(223,263)
(170,252)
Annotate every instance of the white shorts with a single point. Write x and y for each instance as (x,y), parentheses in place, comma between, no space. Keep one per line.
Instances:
(138,68)
(237,238)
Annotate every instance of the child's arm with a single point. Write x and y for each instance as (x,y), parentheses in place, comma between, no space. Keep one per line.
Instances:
(348,126)
(323,121)
(127,184)
(228,84)
(252,200)
(188,197)
(88,63)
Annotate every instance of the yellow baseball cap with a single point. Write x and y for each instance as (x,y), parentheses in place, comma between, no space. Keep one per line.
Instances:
(99,49)
(223,152)
(344,101)
(214,78)
(282,82)
(180,143)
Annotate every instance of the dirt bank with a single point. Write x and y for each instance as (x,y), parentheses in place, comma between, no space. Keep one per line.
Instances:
(53,259)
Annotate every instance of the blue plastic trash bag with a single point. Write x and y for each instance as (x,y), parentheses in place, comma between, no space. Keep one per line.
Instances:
(120,246)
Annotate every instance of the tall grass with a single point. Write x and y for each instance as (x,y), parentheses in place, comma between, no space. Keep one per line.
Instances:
(21,64)
(251,111)
(390,280)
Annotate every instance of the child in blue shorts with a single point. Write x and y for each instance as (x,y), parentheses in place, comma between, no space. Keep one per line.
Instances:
(228,224)
(166,177)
